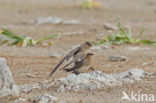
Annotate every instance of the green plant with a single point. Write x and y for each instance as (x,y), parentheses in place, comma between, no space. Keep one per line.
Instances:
(23,41)
(125,37)
(88,4)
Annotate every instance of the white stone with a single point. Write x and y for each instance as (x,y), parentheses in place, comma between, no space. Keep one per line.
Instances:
(72,33)
(46,98)
(97,79)
(7,84)
(25,88)
(117,58)
(137,48)
(96,48)
(20,100)
(55,55)
(30,75)
(53,20)
(109,26)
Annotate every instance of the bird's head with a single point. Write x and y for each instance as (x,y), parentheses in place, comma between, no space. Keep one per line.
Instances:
(87,45)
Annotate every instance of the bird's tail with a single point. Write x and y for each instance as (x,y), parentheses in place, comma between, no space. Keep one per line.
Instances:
(58,65)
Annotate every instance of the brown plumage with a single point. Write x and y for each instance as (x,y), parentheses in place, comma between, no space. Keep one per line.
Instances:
(76,54)
(82,66)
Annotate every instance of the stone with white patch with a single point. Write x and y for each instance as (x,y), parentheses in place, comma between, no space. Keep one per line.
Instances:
(7,84)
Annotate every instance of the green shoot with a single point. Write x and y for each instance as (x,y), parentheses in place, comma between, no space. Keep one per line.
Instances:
(89,4)
(23,41)
(125,37)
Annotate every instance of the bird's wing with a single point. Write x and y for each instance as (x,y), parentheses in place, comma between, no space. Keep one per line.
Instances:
(70,54)
(73,52)
(77,65)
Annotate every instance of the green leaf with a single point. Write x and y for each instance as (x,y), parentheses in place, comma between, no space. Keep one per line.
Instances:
(11,35)
(87,4)
(119,26)
(148,42)
(141,32)
(23,41)
(125,37)
(46,38)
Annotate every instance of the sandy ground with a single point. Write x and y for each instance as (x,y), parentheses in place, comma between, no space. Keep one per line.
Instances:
(36,61)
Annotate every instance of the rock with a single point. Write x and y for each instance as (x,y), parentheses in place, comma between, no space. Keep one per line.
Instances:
(105,47)
(7,84)
(109,26)
(136,48)
(134,73)
(9,26)
(28,88)
(61,89)
(25,88)
(96,80)
(53,20)
(117,58)
(154,74)
(30,75)
(46,98)
(149,63)
(72,21)
(99,47)
(86,81)
(20,100)
(45,20)
(55,55)
(96,48)
(72,33)
(37,86)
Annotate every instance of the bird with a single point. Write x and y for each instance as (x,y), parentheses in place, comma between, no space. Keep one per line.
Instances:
(82,66)
(76,54)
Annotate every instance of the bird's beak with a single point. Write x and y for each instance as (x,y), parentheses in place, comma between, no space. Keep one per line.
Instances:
(91,54)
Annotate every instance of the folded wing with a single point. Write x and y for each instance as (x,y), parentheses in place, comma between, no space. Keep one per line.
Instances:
(69,55)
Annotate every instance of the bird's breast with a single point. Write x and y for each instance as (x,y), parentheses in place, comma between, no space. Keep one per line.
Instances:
(83,69)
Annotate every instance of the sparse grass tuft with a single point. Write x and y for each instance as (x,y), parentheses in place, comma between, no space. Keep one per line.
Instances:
(23,41)
(89,4)
(125,37)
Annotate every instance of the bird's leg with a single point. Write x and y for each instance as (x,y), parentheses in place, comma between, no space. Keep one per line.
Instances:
(76,72)
(92,69)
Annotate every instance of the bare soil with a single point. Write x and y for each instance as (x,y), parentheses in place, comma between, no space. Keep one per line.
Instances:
(36,61)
